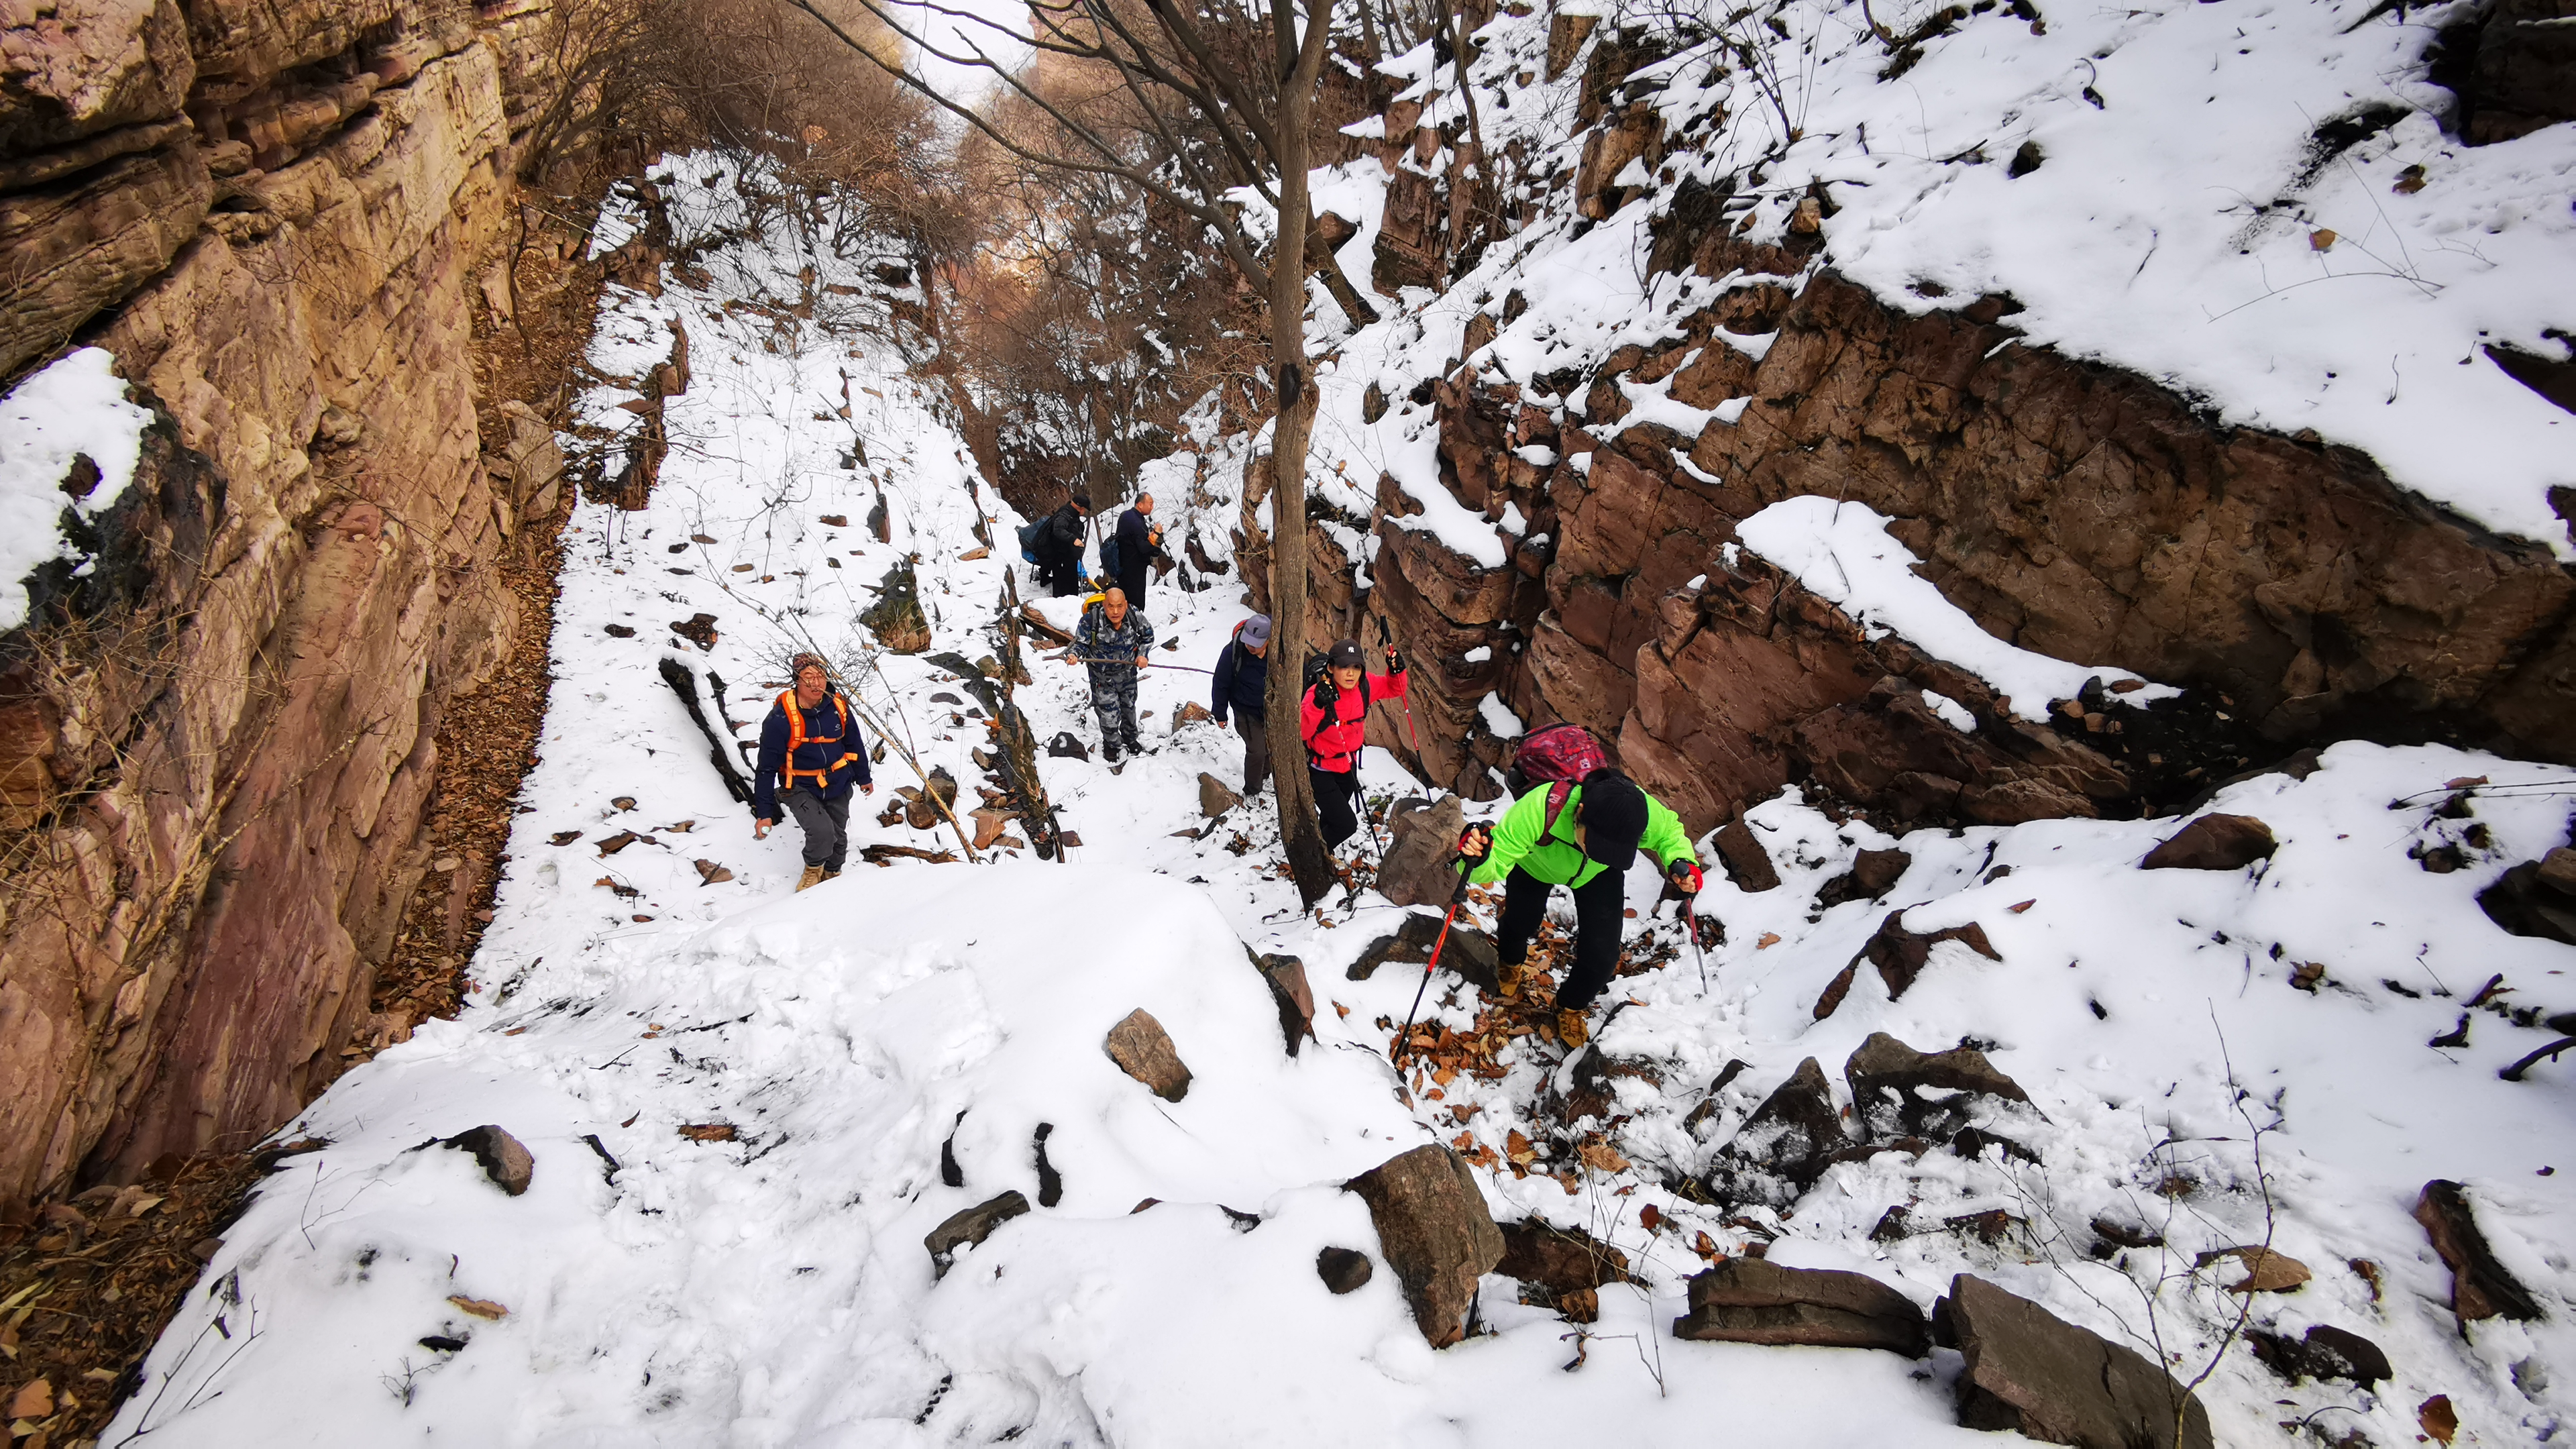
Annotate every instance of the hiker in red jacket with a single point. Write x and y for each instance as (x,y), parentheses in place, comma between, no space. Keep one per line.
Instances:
(1332,720)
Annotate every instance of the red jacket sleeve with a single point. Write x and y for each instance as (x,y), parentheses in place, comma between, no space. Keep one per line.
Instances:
(1309,718)
(1386,686)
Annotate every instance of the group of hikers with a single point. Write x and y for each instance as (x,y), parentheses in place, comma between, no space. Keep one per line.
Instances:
(1575,819)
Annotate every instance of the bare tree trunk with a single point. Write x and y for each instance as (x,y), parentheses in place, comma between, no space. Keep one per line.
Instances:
(1300,833)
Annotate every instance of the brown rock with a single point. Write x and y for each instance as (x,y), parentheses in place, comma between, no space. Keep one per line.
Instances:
(1344,1270)
(972,1225)
(1143,1050)
(501,1156)
(2028,1370)
(78,67)
(1785,1145)
(2267,1270)
(2326,1352)
(2480,1286)
(1746,862)
(1563,1260)
(74,251)
(1286,976)
(1900,954)
(1888,1082)
(1876,872)
(2558,872)
(1215,796)
(2213,842)
(1747,1300)
(1434,1231)
(1419,868)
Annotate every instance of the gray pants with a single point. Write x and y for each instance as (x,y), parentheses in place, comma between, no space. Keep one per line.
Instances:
(1256,752)
(1113,698)
(826,824)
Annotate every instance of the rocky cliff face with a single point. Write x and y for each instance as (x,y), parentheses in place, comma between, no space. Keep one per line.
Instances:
(2072,508)
(215,748)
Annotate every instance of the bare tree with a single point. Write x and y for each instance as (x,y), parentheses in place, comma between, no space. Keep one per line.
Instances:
(1221,100)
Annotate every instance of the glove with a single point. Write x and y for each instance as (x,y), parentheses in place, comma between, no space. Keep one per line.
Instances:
(1685,876)
(1394,660)
(1475,841)
(1326,696)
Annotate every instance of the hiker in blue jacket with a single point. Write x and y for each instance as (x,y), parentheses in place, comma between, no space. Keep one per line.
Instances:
(809,739)
(1242,675)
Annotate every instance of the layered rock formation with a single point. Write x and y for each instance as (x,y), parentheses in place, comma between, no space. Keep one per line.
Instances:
(2071,508)
(215,749)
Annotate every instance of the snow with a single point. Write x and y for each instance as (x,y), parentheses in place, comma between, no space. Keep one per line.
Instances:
(1953,713)
(72,408)
(1843,553)
(773,1289)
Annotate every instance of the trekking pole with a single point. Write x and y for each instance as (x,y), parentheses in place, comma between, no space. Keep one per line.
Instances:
(1404,1037)
(1690,928)
(1148,664)
(1384,638)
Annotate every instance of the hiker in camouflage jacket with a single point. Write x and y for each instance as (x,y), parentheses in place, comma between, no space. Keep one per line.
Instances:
(1112,640)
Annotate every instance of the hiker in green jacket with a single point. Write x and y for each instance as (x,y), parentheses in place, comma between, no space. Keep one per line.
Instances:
(1586,845)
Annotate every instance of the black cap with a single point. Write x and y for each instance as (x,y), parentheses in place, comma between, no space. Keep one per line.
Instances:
(1613,816)
(1346,655)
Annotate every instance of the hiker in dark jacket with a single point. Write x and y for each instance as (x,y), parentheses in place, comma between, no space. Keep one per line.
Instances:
(809,739)
(1112,640)
(1333,721)
(1242,675)
(1587,847)
(1059,547)
(1139,543)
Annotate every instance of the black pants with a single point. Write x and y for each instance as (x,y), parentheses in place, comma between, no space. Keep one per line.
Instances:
(1059,576)
(1598,922)
(1256,752)
(1131,582)
(1334,792)
(826,824)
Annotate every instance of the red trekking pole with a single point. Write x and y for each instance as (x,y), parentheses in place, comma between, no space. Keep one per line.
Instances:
(1402,1038)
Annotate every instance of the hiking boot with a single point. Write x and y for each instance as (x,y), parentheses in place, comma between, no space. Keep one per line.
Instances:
(1572,1028)
(1507,981)
(831,875)
(1135,746)
(1109,752)
(812,877)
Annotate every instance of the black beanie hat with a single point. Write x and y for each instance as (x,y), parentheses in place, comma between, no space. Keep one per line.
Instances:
(1613,816)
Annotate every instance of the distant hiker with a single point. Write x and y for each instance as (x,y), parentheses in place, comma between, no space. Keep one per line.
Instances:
(1055,542)
(808,739)
(1242,674)
(1139,543)
(1332,721)
(1584,836)
(1112,640)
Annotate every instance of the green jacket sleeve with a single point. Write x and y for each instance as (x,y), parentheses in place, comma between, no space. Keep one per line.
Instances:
(1515,835)
(1665,839)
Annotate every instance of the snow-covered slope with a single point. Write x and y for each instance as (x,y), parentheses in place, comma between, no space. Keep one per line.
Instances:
(770,1287)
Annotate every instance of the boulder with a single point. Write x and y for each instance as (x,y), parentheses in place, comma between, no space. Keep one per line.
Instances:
(1434,1231)
(1563,1259)
(2480,1286)
(1900,955)
(2535,898)
(1215,796)
(1747,863)
(1876,872)
(1747,1300)
(1469,952)
(1417,869)
(1143,1050)
(1785,1145)
(2213,842)
(1286,976)
(972,1225)
(2266,1270)
(2326,1352)
(502,1157)
(2029,1371)
(1344,1270)
(1900,1092)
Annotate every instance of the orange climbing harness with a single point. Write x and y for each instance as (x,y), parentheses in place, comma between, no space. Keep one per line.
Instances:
(796,741)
